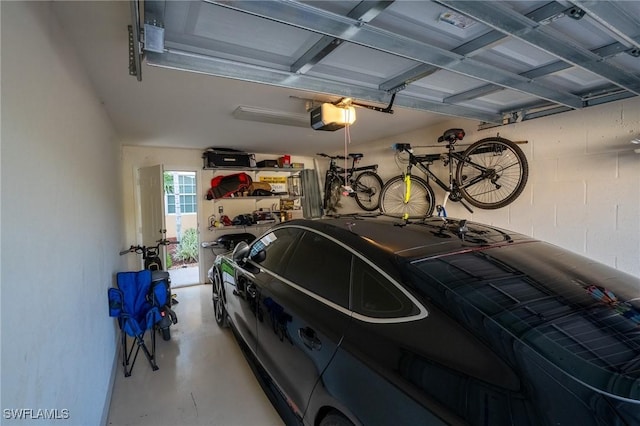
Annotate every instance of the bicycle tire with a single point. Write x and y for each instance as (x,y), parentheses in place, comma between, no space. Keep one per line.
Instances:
(327,189)
(367,187)
(421,200)
(508,172)
(332,194)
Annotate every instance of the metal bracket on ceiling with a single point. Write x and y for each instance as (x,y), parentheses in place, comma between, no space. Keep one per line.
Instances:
(388,109)
(398,88)
(513,117)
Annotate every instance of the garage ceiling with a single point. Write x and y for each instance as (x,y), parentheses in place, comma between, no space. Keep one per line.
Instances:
(495,62)
(491,62)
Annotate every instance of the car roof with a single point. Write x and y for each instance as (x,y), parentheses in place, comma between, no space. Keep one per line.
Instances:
(412,239)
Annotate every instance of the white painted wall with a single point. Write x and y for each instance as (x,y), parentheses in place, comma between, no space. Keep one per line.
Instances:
(62,225)
(584,179)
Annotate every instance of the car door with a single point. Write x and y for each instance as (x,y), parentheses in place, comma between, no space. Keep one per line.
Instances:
(240,300)
(304,301)
(243,297)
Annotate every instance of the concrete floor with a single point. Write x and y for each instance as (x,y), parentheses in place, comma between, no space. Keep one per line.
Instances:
(184,276)
(203,377)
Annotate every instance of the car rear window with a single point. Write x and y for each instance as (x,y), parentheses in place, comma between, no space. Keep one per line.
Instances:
(576,313)
(374,296)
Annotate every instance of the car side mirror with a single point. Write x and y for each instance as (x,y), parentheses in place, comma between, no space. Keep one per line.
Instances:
(240,252)
(259,256)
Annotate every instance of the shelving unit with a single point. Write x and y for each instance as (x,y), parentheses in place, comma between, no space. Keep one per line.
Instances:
(256,201)
(233,206)
(256,171)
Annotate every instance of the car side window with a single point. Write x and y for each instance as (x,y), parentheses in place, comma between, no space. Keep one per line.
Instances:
(275,245)
(375,296)
(322,267)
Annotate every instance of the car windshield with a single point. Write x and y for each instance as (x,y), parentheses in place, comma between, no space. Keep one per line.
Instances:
(581,316)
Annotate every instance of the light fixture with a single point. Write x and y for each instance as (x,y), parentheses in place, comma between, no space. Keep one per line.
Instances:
(265,115)
(456,19)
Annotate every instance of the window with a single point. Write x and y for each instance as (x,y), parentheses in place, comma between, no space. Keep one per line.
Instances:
(322,267)
(275,244)
(185,190)
(377,297)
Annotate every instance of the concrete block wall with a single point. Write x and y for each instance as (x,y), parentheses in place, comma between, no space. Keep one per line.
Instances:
(583,191)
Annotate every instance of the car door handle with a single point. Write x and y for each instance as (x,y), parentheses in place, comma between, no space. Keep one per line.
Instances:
(309,338)
(251,290)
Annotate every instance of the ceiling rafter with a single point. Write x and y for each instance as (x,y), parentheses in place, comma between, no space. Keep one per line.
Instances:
(604,52)
(364,12)
(319,21)
(226,68)
(210,45)
(399,82)
(609,15)
(502,18)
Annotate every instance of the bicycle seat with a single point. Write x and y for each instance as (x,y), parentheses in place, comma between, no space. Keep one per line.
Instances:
(452,135)
(356,156)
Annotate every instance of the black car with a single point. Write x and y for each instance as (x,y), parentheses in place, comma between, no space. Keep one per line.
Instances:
(379,322)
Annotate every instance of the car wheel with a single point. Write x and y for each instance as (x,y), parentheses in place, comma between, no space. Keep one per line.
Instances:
(218,303)
(334,418)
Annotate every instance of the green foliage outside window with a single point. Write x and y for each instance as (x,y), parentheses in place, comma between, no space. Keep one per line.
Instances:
(187,250)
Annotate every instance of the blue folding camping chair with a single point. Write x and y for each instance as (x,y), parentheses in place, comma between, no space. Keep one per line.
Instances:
(135,304)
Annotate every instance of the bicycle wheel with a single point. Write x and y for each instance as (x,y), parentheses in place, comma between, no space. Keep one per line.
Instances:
(367,187)
(421,199)
(332,194)
(494,173)
(327,190)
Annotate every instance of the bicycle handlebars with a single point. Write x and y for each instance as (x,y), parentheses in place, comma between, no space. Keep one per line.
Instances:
(340,157)
(141,249)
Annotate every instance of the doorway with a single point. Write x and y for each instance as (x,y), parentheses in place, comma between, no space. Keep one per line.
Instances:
(181,221)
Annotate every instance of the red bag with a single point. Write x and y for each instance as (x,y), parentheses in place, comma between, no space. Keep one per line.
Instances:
(224,186)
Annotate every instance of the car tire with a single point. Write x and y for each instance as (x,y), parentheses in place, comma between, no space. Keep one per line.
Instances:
(334,418)
(219,312)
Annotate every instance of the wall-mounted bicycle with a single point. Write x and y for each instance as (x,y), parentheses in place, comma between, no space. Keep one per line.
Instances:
(491,173)
(361,183)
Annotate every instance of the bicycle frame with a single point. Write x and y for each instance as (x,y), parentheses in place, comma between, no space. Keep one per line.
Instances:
(489,174)
(452,191)
(338,171)
(361,183)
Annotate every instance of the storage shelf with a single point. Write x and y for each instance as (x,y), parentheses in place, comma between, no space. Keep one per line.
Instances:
(257,169)
(255,197)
